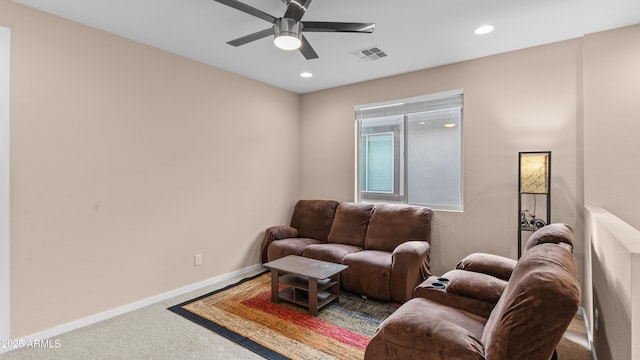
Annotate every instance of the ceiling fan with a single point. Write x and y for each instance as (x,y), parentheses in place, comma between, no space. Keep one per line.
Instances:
(287,30)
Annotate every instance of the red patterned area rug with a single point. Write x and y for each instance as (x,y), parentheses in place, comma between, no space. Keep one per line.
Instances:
(244,313)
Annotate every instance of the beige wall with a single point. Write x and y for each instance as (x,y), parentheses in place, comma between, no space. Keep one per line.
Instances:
(519,101)
(611,126)
(611,148)
(125,162)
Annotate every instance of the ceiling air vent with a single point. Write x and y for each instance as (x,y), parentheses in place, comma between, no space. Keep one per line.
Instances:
(369,54)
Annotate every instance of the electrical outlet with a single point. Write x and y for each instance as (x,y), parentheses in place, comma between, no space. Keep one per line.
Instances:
(596,319)
(197,259)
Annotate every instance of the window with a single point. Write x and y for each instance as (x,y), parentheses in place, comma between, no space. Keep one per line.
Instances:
(378,163)
(410,151)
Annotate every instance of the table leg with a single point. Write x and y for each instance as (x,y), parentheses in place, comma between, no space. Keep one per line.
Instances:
(275,279)
(335,289)
(313,296)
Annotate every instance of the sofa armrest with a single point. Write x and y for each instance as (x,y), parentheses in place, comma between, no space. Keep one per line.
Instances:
(409,267)
(494,265)
(275,233)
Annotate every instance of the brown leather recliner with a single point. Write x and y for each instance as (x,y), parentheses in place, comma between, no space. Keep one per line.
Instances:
(537,305)
(479,279)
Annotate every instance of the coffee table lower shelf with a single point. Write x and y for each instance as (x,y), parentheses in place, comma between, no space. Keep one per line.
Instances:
(298,290)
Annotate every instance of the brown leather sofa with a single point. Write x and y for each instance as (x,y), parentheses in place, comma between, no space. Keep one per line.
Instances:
(535,307)
(386,246)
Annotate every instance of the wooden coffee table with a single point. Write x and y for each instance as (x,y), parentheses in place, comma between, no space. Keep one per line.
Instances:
(311,283)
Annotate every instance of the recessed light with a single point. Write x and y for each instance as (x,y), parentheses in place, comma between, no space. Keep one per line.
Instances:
(449,125)
(306,74)
(422,123)
(484,29)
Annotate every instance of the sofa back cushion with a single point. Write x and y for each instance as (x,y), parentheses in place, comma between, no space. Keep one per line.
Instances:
(313,218)
(536,307)
(350,223)
(392,225)
(490,264)
(552,233)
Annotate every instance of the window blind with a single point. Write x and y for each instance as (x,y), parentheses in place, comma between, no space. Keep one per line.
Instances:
(410,106)
(379,163)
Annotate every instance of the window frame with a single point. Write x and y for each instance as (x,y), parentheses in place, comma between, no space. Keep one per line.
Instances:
(398,186)
(401,158)
(394,167)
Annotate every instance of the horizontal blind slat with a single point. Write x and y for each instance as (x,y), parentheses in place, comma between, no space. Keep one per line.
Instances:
(454,101)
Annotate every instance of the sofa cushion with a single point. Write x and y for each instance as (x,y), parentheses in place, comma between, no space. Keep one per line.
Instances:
(369,273)
(393,224)
(313,218)
(422,329)
(538,304)
(292,246)
(350,223)
(329,252)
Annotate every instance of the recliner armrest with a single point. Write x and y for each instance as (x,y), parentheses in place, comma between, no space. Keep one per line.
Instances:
(275,233)
(475,285)
(471,291)
(494,265)
(422,329)
(409,267)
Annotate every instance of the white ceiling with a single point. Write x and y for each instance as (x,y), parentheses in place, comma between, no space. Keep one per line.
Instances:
(416,34)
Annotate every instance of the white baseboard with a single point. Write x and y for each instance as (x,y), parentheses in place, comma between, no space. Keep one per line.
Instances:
(59,330)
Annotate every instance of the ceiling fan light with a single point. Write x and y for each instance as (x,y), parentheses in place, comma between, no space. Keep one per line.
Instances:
(288,34)
(287,42)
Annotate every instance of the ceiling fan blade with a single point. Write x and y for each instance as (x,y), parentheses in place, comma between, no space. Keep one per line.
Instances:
(323,26)
(307,50)
(296,9)
(251,37)
(248,9)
